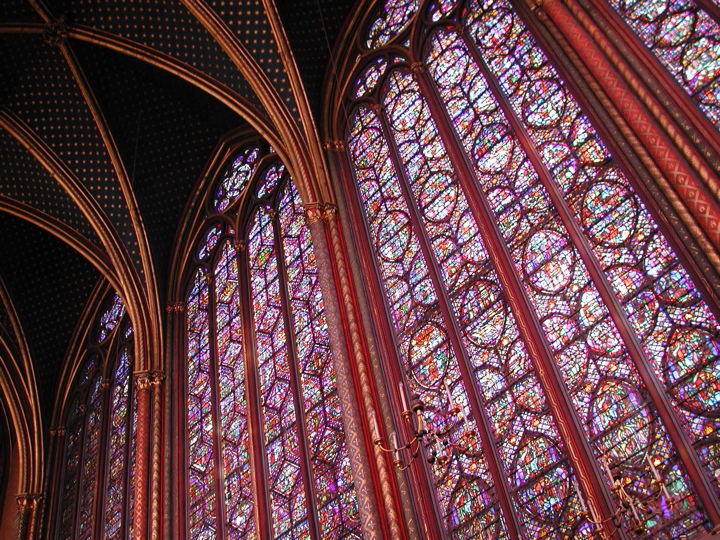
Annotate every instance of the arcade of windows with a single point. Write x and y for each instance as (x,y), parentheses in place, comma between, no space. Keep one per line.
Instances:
(522,290)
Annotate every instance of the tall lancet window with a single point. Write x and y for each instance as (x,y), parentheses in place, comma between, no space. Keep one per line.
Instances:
(99,446)
(264,429)
(532,302)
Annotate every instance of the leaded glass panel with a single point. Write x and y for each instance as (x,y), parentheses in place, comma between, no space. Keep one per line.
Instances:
(686,39)
(484,117)
(255,326)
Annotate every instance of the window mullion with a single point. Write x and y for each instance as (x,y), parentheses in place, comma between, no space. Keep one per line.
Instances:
(215,398)
(101,484)
(129,426)
(477,410)
(528,325)
(261,498)
(305,459)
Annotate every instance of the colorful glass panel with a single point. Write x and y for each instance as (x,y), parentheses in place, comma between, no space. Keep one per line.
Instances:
(484,325)
(367,82)
(236,178)
(464,487)
(270,180)
(73,448)
(686,39)
(95,471)
(117,452)
(306,461)
(131,464)
(212,237)
(110,318)
(202,471)
(393,18)
(90,462)
(564,211)
(285,482)
(658,298)
(335,498)
(231,393)
(556,280)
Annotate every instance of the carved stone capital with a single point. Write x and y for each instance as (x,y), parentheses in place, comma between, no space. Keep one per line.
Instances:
(27,500)
(147,379)
(157,378)
(334,145)
(319,212)
(175,307)
(58,431)
(240,245)
(417,68)
(142,380)
(56,31)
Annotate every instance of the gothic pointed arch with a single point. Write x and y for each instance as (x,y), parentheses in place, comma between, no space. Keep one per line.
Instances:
(96,429)
(266,452)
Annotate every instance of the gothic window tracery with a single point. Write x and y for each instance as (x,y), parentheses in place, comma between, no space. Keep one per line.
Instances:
(263,418)
(96,476)
(522,271)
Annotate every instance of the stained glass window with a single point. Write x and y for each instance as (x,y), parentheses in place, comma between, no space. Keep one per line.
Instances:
(511,247)
(256,331)
(686,40)
(96,494)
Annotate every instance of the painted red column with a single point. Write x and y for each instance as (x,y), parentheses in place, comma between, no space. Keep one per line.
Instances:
(316,218)
(156,383)
(703,206)
(142,455)
(364,388)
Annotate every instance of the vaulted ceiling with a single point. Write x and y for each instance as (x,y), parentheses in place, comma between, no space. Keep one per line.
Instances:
(109,112)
